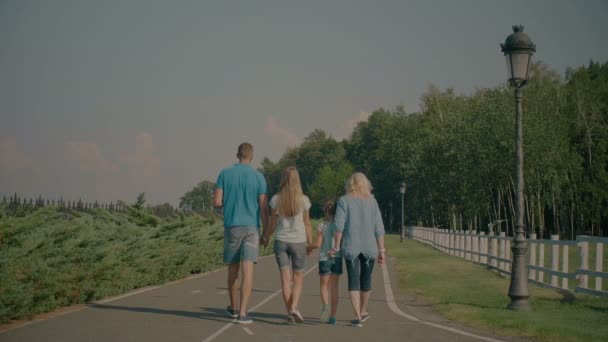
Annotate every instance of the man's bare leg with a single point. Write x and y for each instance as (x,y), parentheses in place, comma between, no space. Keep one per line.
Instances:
(233,287)
(246,286)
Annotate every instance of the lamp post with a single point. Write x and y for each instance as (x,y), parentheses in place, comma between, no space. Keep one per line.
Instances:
(518,49)
(402,190)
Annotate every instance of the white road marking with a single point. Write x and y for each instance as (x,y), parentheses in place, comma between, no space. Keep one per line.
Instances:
(197,291)
(390,300)
(221,293)
(248,331)
(266,300)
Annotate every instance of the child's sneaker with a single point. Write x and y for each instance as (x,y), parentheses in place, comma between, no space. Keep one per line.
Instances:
(365,317)
(356,323)
(244,320)
(297,316)
(290,320)
(324,313)
(332,321)
(231,312)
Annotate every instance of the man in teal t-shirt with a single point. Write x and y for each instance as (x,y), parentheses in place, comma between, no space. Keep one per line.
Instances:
(241,191)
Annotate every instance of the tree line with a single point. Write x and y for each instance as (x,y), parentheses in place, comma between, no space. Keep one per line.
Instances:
(456,156)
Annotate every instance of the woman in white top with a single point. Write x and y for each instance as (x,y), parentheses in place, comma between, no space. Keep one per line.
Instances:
(290,218)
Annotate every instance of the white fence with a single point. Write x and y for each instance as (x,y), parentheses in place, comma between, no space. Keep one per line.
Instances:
(544,256)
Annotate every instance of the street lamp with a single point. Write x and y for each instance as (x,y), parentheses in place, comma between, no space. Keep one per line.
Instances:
(402,190)
(518,50)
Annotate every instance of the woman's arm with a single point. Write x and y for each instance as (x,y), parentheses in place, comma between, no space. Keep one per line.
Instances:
(340,222)
(270,230)
(381,250)
(308,227)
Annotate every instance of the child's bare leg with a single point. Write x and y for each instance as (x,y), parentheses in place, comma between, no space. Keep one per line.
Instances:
(334,282)
(324,286)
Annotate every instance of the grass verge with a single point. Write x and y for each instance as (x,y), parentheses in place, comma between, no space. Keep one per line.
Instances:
(473,295)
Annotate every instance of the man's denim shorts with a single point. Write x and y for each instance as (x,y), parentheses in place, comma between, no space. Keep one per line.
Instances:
(241,243)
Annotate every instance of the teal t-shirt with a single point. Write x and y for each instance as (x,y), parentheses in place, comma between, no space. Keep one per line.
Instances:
(242,186)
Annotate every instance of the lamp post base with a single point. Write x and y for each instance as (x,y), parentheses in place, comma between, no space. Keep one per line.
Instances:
(519,304)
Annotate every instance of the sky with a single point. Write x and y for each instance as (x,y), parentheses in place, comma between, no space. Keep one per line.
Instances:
(101,100)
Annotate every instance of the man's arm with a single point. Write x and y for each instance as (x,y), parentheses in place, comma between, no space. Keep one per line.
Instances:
(218,198)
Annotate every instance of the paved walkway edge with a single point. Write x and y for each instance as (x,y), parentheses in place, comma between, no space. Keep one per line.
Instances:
(390,300)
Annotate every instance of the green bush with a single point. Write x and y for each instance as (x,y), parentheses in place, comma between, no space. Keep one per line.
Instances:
(53,257)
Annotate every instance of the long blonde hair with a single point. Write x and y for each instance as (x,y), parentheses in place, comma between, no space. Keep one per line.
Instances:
(359,183)
(290,193)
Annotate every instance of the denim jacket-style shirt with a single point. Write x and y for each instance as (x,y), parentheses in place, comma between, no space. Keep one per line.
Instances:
(360,221)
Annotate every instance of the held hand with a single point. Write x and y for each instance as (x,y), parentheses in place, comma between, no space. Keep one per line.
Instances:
(264,241)
(309,249)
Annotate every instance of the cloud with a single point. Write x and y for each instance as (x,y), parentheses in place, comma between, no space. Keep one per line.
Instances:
(144,160)
(87,156)
(275,130)
(11,157)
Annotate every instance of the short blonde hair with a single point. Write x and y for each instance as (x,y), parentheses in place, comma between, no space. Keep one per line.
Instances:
(359,183)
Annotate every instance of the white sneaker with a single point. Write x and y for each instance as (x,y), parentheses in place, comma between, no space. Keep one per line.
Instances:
(297,316)
(324,315)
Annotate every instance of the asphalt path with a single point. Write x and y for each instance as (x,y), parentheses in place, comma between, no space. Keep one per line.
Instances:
(192,310)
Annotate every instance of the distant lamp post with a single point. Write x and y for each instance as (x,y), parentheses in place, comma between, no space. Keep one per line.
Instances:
(518,49)
(402,190)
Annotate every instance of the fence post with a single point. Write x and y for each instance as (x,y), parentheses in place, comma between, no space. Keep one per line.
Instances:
(475,238)
(541,261)
(483,250)
(565,266)
(494,250)
(501,252)
(583,279)
(508,255)
(450,242)
(599,260)
(470,239)
(461,237)
(554,258)
(532,245)
(467,245)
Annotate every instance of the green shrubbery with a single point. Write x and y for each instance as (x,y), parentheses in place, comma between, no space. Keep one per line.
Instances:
(52,257)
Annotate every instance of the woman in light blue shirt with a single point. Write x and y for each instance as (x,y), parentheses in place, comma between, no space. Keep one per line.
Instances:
(360,233)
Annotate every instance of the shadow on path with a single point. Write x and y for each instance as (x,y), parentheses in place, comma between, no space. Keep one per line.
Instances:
(218,315)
